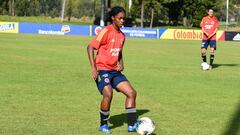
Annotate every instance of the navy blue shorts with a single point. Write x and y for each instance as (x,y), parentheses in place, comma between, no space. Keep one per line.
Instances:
(206,43)
(109,77)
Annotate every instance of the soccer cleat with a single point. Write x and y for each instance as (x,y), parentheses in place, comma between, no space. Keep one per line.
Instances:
(105,129)
(133,128)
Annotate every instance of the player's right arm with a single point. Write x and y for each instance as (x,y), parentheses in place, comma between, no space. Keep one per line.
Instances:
(95,45)
(202,26)
(216,26)
(90,51)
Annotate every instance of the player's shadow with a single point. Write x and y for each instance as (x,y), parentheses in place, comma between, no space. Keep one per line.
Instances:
(233,127)
(120,119)
(228,65)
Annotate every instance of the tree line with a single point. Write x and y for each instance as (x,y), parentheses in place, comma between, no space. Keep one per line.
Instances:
(145,13)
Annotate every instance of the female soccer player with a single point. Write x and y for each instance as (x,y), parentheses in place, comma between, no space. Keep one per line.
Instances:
(209,27)
(107,66)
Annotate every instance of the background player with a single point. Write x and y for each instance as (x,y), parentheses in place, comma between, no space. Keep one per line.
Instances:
(209,27)
(108,66)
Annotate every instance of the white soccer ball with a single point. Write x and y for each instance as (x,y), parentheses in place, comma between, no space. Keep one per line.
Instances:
(205,66)
(146,126)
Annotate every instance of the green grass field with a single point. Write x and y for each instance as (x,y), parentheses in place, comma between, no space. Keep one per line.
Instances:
(46,88)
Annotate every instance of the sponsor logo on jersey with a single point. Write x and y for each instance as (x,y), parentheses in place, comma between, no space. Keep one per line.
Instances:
(115,51)
(208,27)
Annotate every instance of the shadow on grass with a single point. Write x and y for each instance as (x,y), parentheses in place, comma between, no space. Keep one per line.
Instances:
(233,127)
(228,65)
(120,119)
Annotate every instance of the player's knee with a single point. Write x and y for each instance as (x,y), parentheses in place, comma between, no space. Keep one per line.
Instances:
(212,51)
(203,52)
(132,94)
(107,94)
(107,98)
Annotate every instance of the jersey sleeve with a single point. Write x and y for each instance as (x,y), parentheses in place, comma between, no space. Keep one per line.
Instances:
(201,24)
(216,23)
(99,39)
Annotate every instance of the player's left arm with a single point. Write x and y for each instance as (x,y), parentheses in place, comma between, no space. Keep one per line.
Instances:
(120,62)
(215,30)
(202,27)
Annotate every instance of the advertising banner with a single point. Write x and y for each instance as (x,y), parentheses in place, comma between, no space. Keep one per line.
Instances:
(54,29)
(186,34)
(232,36)
(132,32)
(95,30)
(8,27)
(140,32)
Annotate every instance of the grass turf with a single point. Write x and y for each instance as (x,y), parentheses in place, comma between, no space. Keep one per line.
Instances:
(46,88)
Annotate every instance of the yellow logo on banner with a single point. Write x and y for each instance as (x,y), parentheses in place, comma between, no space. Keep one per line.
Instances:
(184,34)
(8,27)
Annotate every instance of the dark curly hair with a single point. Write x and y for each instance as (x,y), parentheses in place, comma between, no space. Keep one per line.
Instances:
(114,11)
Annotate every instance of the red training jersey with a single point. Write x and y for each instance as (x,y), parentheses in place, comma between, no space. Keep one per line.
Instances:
(209,25)
(109,43)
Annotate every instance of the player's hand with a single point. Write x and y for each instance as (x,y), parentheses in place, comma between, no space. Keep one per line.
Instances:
(210,36)
(206,34)
(120,67)
(94,73)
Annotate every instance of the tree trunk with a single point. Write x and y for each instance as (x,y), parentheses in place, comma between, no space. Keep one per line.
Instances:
(129,7)
(10,7)
(108,10)
(69,10)
(13,9)
(63,10)
(152,16)
(184,21)
(102,23)
(142,14)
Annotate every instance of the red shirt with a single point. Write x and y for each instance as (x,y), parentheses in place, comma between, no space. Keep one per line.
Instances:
(109,43)
(209,25)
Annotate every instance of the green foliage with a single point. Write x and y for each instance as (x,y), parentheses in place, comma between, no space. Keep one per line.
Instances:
(166,12)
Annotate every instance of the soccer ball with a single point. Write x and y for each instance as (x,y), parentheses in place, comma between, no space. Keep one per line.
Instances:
(205,66)
(146,126)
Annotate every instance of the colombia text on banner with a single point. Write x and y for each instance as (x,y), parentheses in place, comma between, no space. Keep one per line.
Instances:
(187,34)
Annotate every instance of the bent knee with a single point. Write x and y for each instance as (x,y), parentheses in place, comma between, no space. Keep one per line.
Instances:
(132,94)
(212,51)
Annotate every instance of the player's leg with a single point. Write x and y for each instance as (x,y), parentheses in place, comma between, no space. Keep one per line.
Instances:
(203,53)
(107,94)
(130,103)
(106,91)
(203,50)
(131,94)
(106,103)
(212,51)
